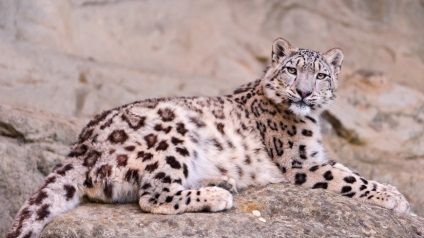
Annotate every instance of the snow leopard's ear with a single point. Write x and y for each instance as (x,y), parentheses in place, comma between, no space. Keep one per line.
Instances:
(280,48)
(335,58)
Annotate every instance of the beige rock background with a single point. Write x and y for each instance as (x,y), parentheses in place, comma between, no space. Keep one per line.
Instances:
(63,61)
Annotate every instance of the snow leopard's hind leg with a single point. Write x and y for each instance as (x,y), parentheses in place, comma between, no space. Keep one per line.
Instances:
(174,199)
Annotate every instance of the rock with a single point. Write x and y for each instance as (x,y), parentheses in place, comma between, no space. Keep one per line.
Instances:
(288,211)
(31,144)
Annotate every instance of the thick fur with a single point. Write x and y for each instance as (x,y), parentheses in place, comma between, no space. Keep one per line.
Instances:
(173,155)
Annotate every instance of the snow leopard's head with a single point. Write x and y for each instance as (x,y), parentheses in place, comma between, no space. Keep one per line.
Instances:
(304,80)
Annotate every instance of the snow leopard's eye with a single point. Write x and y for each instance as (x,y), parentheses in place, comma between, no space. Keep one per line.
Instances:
(321,76)
(291,70)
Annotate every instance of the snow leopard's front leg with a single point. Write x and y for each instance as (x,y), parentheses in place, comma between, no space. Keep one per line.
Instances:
(336,177)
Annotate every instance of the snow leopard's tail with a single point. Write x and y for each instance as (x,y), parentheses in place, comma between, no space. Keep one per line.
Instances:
(58,194)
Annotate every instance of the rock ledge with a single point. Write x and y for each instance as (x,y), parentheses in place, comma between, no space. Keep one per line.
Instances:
(289,211)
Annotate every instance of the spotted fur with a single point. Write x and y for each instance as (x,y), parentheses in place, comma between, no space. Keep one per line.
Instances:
(177,155)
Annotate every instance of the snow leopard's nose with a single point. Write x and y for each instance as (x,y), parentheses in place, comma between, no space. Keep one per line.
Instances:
(303,94)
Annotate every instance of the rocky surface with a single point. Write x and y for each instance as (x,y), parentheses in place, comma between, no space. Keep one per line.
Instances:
(286,211)
(63,61)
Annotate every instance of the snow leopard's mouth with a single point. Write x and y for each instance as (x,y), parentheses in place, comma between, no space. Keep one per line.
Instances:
(300,108)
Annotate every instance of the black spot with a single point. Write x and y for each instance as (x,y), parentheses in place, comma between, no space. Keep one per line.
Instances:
(300,178)
(176,141)
(349,194)
(222,170)
(151,140)
(197,199)
(349,179)
(104,171)
(247,160)
(182,151)
(220,128)
(159,127)
(278,145)
(198,193)
(121,160)
(152,167)
(176,207)
(370,196)
(62,171)
(178,193)
(328,175)
(132,174)
(296,164)
(38,198)
(169,199)
(43,212)
(346,189)
(173,162)
(314,153)
(77,151)
(363,187)
(292,132)
(85,135)
(146,186)
(153,201)
(181,128)
(166,190)
(185,170)
(91,158)
(98,118)
(129,148)
(365,194)
(302,152)
(70,191)
(290,144)
(118,136)
(320,185)
(135,122)
(307,133)
(197,122)
(364,181)
(145,156)
(160,175)
(107,124)
(28,235)
(178,181)
(88,182)
(188,200)
(108,189)
(166,114)
(167,179)
(314,168)
(206,209)
(49,180)
(217,145)
(311,119)
(163,145)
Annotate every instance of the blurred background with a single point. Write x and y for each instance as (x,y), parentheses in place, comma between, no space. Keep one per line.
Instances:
(63,61)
